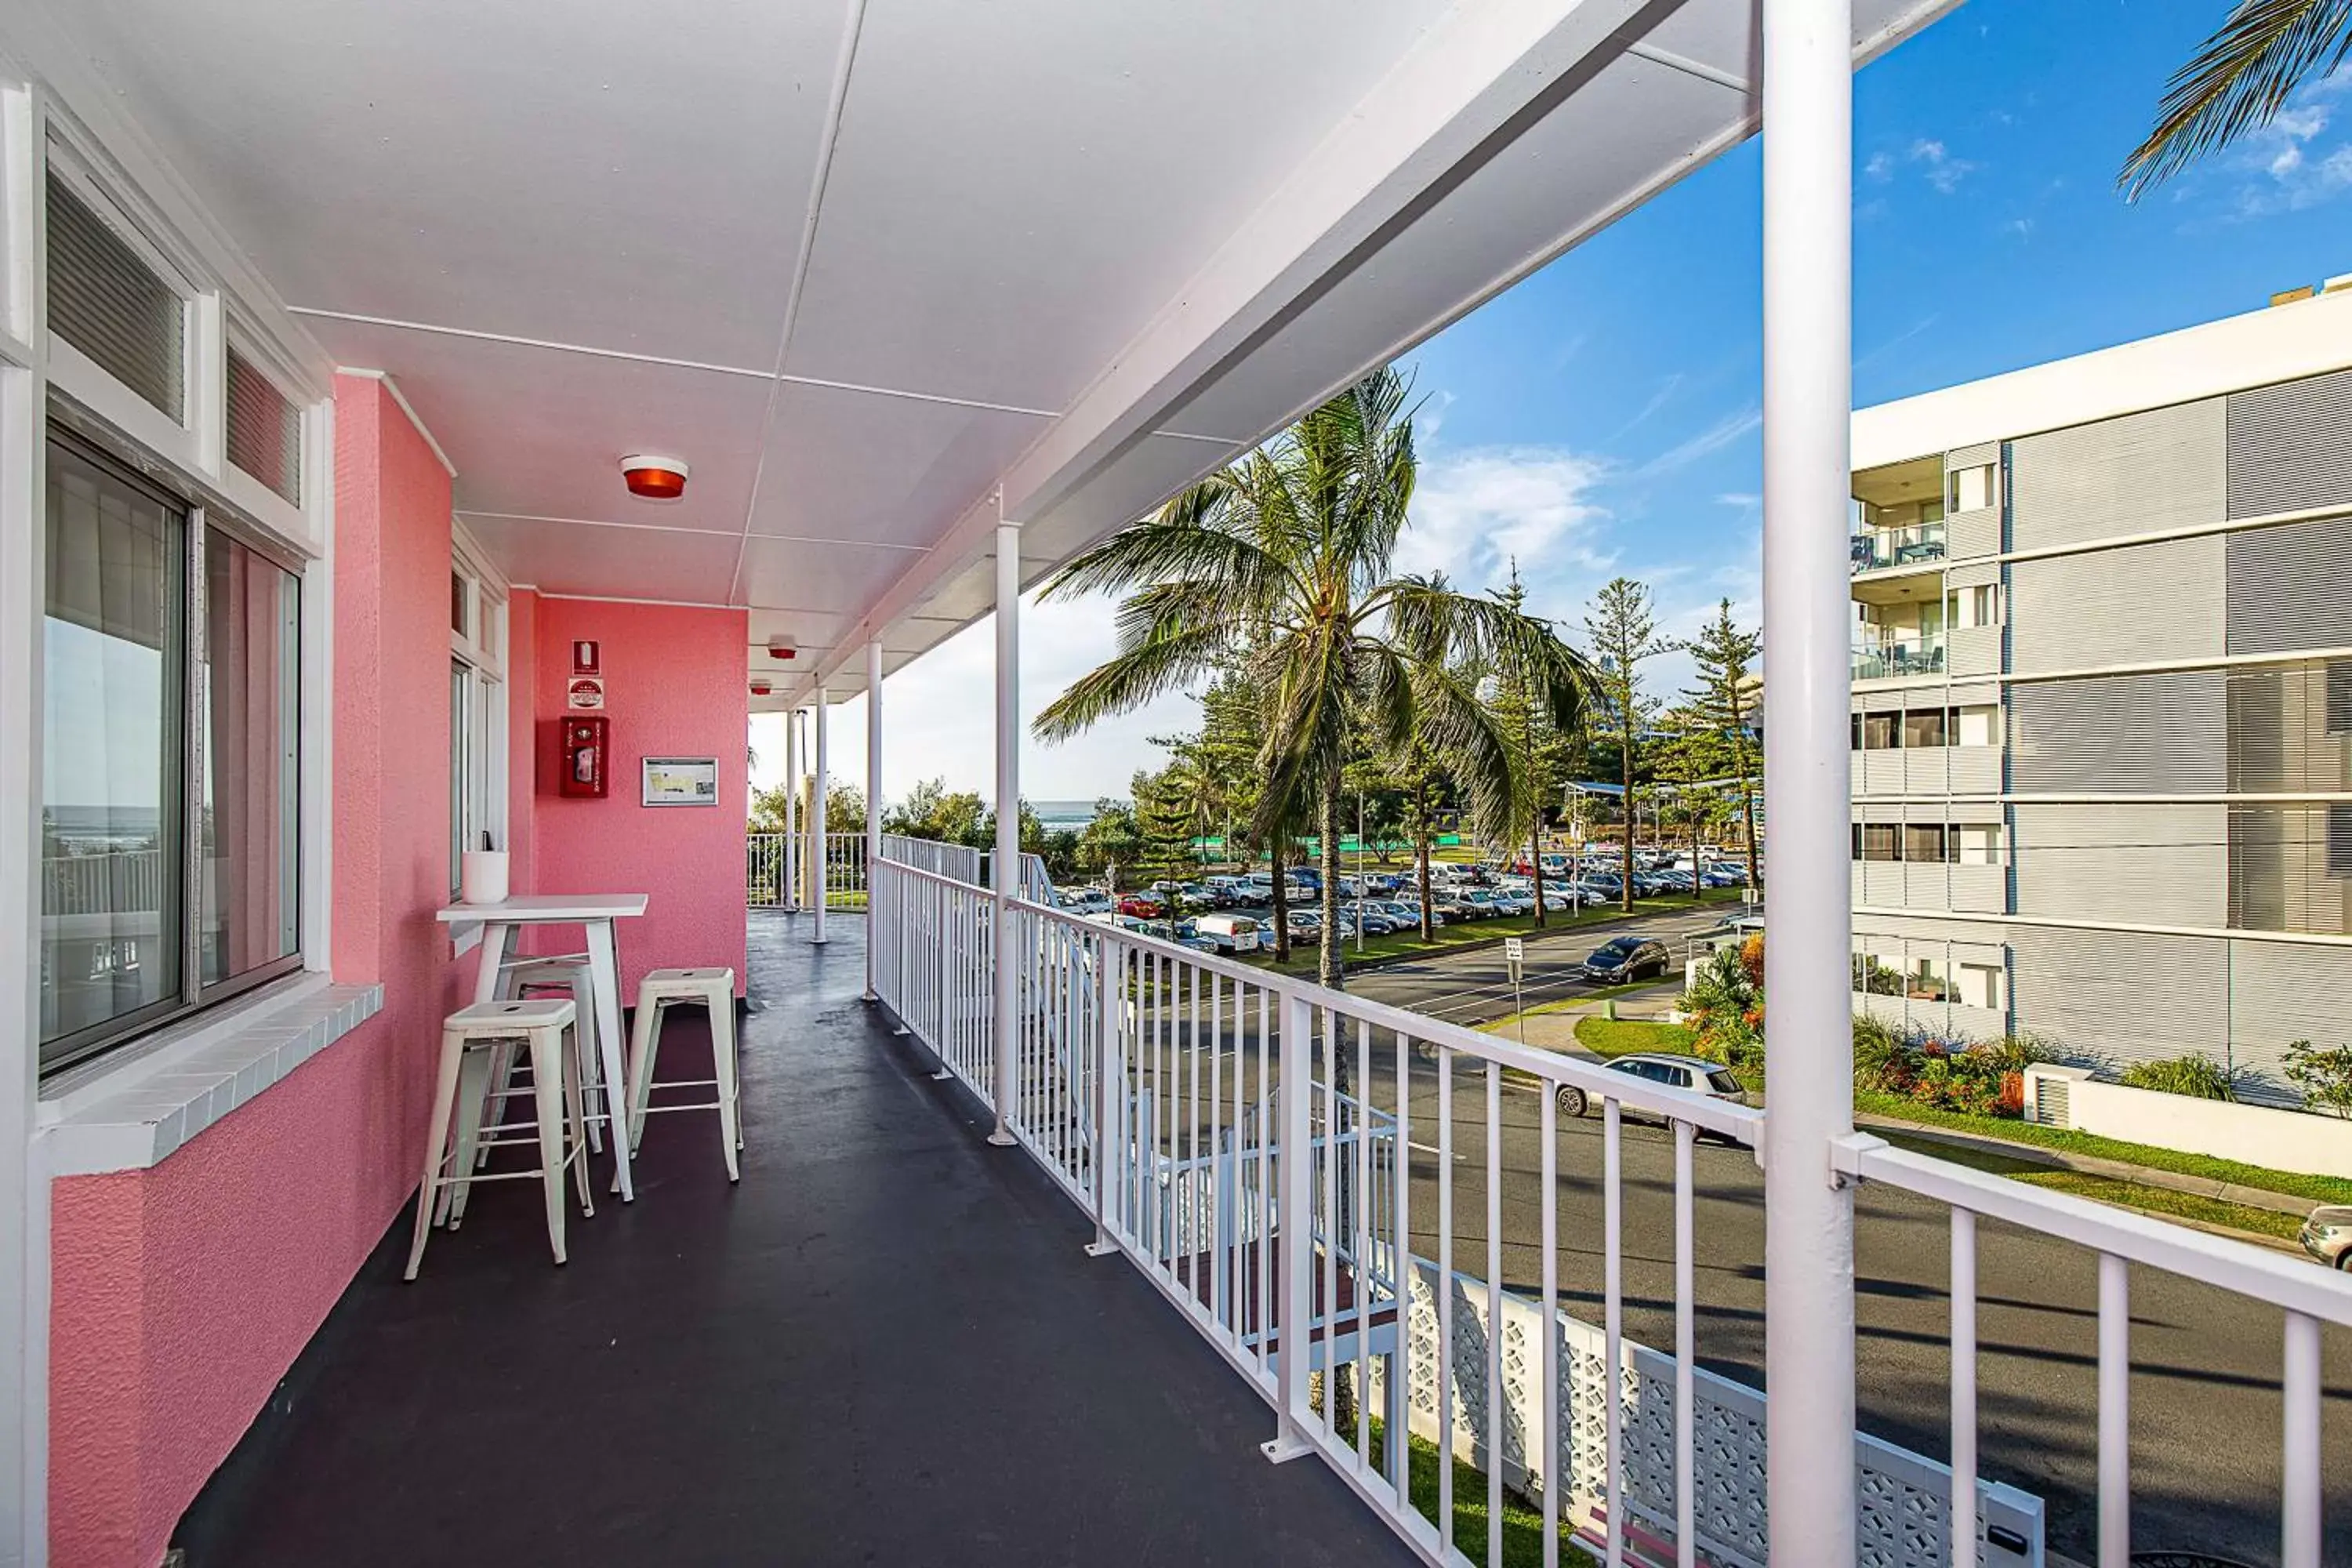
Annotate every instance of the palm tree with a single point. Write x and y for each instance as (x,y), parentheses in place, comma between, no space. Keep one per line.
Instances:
(2237,81)
(1279,565)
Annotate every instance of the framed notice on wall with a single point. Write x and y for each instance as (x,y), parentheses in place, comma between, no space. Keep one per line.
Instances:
(681,781)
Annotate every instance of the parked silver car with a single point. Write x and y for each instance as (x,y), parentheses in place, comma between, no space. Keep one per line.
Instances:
(1694,1075)
(2328,1235)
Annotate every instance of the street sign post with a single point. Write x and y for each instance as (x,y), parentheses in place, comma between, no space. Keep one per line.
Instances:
(1515,958)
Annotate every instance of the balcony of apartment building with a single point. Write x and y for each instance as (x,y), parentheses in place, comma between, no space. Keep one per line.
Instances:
(1898,520)
(1928,747)
(450,425)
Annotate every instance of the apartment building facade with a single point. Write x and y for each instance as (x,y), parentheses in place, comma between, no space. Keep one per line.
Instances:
(2101,722)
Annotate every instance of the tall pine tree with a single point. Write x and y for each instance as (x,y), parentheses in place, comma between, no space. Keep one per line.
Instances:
(1621,628)
(1729,698)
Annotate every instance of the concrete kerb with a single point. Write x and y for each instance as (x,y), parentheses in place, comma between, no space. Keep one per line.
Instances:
(2119,1170)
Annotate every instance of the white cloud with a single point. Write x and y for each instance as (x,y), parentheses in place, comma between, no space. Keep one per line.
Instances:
(1714,438)
(938,715)
(1939,166)
(1477,510)
(2290,164)
(1881,167)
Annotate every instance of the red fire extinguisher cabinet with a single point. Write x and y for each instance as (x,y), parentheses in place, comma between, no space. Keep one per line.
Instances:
(586,761)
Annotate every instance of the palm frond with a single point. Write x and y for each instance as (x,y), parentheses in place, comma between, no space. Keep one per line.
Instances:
(1130,678)
(2237,82)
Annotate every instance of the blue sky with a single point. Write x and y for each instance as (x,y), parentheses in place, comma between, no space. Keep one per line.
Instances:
(1602,416)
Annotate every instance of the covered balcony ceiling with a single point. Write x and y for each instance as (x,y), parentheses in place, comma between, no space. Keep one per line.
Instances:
(1898,484)
(867,264)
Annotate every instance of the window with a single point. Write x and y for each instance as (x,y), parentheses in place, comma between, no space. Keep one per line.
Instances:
(1970,489)
(1924,841)
(1981,985)
(1926,727)
(478,728)
(1978,726)
(1977,606)
(1978,844)
(169,856)
(107,301)
(1881,841)
(1880,732)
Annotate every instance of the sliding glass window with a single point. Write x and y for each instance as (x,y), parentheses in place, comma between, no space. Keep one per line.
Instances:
(170,726)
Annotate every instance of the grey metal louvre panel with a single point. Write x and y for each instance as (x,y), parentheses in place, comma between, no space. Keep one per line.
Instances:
(2120,997)
(1971,939)
(1972,574)
(2141,604)
(2140,473)
(2281,993)
(2166,865)
(105,300)
(2291,587)
(1884,811)
(1973,650)
(265,429)
(1978,694)
(1971,456)
(2291,446)
(1976,532)
(2137,734)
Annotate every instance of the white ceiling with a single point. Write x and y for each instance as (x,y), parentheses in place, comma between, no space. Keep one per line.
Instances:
(573,229)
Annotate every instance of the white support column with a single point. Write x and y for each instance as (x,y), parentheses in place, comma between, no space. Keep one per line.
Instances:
(816,820)
(873,796)
(1006,877)
(792,809)
(1808,100)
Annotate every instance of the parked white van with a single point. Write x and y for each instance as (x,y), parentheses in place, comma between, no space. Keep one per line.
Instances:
(1232,933)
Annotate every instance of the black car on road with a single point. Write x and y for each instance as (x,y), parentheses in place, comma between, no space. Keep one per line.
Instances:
(1627,958)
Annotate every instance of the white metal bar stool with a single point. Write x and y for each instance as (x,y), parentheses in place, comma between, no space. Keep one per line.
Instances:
(567,972)
(660,990)
(469,1041)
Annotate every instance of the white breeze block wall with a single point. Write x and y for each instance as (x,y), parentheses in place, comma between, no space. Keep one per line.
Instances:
(2283,1139)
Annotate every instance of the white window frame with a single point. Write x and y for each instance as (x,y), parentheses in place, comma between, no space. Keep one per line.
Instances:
(478,767)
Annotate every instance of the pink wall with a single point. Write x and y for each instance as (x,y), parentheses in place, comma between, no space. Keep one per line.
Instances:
(674,686)
(522,741)
(182,1294)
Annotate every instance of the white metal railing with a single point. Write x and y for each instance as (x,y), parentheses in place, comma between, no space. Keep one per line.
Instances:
(960,862)
(2304,1297)
(775,878)
(113,882)
(1159,1088)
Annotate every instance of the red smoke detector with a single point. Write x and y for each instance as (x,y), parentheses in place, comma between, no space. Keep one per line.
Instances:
(655,478)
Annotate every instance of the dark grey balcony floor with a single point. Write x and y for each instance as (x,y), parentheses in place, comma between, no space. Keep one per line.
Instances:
(884,1346)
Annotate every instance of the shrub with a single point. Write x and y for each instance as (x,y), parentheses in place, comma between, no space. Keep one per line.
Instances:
(1944,1071)
(2324,1076)
(2198,1076)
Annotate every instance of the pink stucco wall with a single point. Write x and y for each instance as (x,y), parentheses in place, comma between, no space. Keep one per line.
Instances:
(674,686)
(183,1293)
(522,741)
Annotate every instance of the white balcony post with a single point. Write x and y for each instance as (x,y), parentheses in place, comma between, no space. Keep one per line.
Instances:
(1007,876)
(791,866)
(816,820)
(873,796)
(1808,100)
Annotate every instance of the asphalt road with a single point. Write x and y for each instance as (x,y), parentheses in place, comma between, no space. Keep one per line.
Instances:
(1476,987)
(2205,1408)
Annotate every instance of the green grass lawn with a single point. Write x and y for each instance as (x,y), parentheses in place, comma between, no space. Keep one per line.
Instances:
(1522,1517)
(1605,1037)
(1405,944)
(2109,1190)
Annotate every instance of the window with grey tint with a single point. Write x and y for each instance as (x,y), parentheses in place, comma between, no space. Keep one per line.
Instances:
(252,713)
(265,429)
(114,656)
(170,871)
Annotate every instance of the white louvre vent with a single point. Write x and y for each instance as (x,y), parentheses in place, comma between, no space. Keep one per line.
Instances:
(105,300)
(265,429)
(2291,587)
(2291,446)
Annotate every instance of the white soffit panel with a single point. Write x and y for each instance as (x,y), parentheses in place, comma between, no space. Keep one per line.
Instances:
(595,172)
(690,568)
(1078,161)
(787,572)
(858,465)
(541,434)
